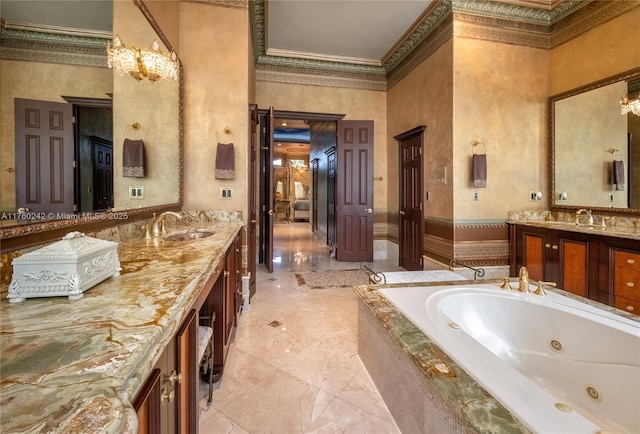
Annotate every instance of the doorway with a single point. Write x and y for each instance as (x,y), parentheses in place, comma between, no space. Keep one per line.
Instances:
(315,200)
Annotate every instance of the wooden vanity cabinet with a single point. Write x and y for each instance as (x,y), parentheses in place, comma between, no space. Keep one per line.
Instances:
(167,401)
(570,259)
(620,273)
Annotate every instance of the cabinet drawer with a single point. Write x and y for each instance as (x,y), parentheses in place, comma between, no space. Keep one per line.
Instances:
(626,283)
(627,260)
(627,305)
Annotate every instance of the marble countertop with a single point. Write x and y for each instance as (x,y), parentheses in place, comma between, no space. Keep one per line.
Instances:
(75,366)
(629,232)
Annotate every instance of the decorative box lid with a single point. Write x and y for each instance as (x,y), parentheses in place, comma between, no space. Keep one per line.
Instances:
(71,248)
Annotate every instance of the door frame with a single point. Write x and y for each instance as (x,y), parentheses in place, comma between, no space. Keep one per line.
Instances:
(265,254)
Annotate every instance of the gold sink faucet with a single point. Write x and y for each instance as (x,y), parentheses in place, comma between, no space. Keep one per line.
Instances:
(584,211)
(156,226)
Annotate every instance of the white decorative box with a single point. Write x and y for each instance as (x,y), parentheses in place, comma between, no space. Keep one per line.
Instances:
(65,268)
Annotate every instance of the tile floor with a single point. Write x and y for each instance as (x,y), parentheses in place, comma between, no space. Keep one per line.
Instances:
(301,374)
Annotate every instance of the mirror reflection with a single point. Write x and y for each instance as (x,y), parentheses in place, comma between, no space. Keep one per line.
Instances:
(54,56)
(595,159)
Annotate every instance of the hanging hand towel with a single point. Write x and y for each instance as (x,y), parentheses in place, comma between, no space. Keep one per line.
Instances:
(225,161)
(479,170)
(617,175)
(133,158)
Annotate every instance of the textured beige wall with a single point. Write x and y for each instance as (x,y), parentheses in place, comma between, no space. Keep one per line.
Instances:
(355,104)
(216,96)
(500,99)
(41,81)
(425,97)
(606,50)
(155,106)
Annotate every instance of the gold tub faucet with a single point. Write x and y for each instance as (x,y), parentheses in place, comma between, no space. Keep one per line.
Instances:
(523,285)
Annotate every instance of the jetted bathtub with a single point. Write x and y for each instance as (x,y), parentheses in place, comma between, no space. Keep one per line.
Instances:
(559,365)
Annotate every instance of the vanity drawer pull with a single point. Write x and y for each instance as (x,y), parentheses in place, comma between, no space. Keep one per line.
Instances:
(631,261)
(630,284)
(630,308)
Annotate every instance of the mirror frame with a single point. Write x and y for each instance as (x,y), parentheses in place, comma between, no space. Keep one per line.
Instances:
(553,206)
(19,236)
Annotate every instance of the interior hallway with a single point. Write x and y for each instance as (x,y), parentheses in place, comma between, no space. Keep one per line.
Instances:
(293,366)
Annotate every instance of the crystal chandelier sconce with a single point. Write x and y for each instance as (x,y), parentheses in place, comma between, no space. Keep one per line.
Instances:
(630,105)
(152,64)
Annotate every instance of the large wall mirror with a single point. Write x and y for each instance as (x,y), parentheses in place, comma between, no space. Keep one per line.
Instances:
(77,75)
(594,148)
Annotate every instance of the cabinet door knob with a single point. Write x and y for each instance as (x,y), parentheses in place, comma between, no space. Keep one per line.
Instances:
(167,396)
(630,308)
(547,245)
(631,261)
(630,284)
(554,247)
(174,377)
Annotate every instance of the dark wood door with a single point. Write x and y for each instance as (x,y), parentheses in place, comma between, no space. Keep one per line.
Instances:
(252,205)
(354,193)
(44,156)
(314,195)
(332,236)
(186,378)
(268,185)
(410,198)
(102,173)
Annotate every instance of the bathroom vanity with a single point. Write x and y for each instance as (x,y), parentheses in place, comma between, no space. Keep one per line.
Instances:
(599,263)
(123,358)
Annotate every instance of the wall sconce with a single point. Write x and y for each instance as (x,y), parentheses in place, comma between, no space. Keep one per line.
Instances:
(152,64)
(630,105)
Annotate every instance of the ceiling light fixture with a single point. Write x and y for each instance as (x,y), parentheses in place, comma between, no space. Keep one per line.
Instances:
(630,105)
(152,64)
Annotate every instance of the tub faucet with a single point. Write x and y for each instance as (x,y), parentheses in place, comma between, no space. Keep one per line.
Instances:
(587,212)
(157,223)
(523,285)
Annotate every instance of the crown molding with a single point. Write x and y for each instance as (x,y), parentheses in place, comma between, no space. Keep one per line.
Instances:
(307,78)
(229,3)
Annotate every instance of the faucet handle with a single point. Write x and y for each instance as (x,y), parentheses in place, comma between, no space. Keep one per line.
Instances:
(539,290)
(505,283)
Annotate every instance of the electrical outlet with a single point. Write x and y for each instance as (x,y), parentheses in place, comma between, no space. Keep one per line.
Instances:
(535,196)
(226,192)
(136,192)
(476,195)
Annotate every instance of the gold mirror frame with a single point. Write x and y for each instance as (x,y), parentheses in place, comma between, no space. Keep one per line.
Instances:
(625,76)
(21,236)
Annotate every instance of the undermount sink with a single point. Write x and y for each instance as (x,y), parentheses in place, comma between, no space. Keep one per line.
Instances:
(187,235)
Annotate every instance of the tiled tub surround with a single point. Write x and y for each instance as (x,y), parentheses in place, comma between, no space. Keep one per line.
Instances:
(74,366)
(423,387)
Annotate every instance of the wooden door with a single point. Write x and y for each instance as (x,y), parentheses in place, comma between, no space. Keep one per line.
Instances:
(44,157)
(147,404)
(267,200)
(354,192)
(102,173)
(410,198)
(252,205)
(332,237)
(314,195)
(186,378)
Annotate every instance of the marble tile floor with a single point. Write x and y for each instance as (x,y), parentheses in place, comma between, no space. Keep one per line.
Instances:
(293,365)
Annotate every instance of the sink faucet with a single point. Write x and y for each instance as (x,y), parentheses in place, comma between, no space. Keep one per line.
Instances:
(584,211)
(523,285)
(157,223)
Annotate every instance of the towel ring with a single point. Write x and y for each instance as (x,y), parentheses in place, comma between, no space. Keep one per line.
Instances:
(613,153)
(476,143)
(135,126)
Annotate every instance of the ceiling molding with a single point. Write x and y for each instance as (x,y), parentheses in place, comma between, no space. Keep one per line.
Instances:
(540,24)
(230,3)
(284,76)
(32,46)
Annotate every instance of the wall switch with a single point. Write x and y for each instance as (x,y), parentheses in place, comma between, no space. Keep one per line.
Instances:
(427,195)
(226,192)
(611,197)
(136,192)
(476,195)
(563,195)
(535,195)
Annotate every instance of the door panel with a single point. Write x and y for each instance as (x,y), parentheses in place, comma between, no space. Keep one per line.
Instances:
(102,174)
(44,156)
(252,206)
(354,195)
